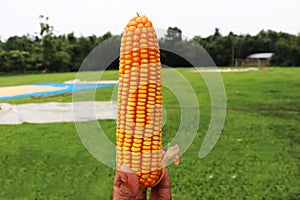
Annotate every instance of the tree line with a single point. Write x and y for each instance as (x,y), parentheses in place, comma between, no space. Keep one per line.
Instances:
(47,52)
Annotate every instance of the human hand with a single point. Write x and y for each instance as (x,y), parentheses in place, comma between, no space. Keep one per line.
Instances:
(126,186)
(162,190)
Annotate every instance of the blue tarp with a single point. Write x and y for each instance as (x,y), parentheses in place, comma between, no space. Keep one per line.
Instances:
(66,89)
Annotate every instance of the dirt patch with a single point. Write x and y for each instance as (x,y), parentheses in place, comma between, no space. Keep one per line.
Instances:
(263,68)
(26,89)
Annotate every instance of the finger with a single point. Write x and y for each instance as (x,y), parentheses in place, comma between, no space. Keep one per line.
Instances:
(130,179)
(163,189)
(124,190)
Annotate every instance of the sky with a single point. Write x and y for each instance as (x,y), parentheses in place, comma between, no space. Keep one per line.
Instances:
(193,17)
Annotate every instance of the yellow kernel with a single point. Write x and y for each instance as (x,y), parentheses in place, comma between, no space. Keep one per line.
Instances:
(141,110)
(149,180)
(140,124)
(128,62)
(147,143)
(138,132)
(130,116)
(141,117)
(148,134)
(142,99)
(143,80)
(156,138)
(144,69)
(135,38)
(142,96)
(153,176)
(159,101)
(135,44)
(142,180)
(125,148)
(152,61)
(135,54)
(128,141)
(144,45)
(143,61)
(142,104)
(143,35)
(151,98)
(144,56)
(144,30)
(137,31)
(131,104)
(144,176)
(135,64)
(142,51)
(140,25)
(146,151)
(143,91)
(127,144)
(131,108)
(156,147)
(137,140)
(132,28)
(135,149)
(143,40)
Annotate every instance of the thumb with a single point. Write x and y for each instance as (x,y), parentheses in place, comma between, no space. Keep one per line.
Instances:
(125,184)
(129,179)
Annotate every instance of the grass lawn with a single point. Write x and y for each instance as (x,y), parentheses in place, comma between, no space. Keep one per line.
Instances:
(256,157)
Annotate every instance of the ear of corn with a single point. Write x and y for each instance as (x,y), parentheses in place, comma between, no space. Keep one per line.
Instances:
(139,123)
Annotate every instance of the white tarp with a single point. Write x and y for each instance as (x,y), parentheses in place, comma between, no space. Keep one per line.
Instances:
(78,81)
(56,112)
(227,70)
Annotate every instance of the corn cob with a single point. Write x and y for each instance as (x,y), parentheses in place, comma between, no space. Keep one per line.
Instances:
(139,122)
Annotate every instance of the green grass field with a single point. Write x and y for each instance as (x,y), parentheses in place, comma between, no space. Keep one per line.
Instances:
(256,157)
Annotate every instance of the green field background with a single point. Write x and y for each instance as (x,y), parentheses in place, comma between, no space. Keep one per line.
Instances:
(256,157)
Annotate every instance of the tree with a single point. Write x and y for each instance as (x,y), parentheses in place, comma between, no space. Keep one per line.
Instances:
(287,51)
(15,61)
(174,34)
(46,29)
(22,43)
(50,52)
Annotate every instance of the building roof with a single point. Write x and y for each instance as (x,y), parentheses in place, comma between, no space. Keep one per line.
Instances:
(260,56)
